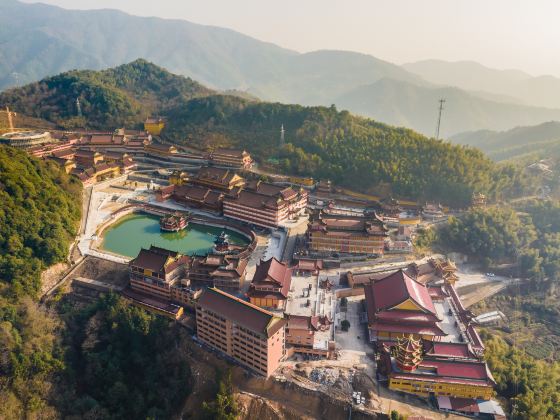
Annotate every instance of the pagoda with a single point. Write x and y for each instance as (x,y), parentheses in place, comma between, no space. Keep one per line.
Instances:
(408,353)
(221,244)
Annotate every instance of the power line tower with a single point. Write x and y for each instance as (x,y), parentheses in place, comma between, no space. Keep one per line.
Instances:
(441,102)
(282,131)
(10,115)
(78,107)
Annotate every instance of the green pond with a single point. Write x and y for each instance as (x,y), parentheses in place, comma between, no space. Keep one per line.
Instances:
(136,231)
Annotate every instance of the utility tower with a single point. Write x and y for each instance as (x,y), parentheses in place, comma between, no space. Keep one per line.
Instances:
(78,107)
(10,115)
(441,102)
(282,135)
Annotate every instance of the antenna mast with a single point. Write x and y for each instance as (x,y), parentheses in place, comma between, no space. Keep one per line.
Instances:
(282,135)
(441,102)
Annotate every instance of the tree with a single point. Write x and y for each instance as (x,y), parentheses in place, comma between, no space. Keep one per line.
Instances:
(224,407)
(345,325)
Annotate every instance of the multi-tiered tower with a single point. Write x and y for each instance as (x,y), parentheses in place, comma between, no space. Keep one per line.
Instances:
(408,353)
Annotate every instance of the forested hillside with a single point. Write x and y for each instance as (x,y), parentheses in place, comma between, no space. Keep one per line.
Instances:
(529,388)
(538,141)
(320,141)
(111,98)
(109,360)
(351,151)
(39,213)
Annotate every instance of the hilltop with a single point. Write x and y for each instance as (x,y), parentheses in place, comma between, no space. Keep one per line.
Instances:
(538,141)
(110,98)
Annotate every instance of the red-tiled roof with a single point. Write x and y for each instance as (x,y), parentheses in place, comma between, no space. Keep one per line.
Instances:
(241,312)
(396,288)
(406,316)
(459,369)
(300,322)
(254,200)
(309,265)
(155,259)
(421,329)
(272,270)
(435,349)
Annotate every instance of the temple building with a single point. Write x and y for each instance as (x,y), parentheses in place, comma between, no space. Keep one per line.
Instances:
(430,370)
(397,306)
(390,207)
(221,179)
(192,196)
(432,211)
(309,335)
(265,204)
(161,274)
(230,157)
(250,335)
(226,272)
(270,285)
(178,178)
(347,234)
(154,125)
(160,150)
(433,270)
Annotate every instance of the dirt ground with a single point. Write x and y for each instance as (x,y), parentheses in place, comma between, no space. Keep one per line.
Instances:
(103,270)
(52,275)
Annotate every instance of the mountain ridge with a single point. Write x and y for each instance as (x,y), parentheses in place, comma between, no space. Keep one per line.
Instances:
(38,40)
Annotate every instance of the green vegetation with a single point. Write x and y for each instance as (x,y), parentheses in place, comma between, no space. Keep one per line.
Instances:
(39,211)
(224,407)
(492,235)
(123,363)
(528,236)
(351,151)
(320,142)
(345,325)
(529,387)
(532,319)
(122,96)
(39,214)
(537,141)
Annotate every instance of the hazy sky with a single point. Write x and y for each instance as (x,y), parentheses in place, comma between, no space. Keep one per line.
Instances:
(523,34)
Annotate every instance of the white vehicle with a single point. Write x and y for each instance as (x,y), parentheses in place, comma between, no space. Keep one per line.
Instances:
(490,275)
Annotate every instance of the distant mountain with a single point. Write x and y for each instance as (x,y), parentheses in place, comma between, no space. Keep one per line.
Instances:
(122,96)
(37,40)
(401,103)
(541,91)
(514,143)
